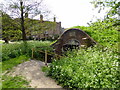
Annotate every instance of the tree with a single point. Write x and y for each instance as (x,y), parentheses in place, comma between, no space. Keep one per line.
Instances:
(114,6)
(22,20)
(10,30)
(20,8)
(114,10)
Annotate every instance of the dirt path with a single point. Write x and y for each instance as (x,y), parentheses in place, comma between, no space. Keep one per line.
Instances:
(31,70)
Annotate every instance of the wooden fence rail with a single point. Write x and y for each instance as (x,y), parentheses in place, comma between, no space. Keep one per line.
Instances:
(46,53)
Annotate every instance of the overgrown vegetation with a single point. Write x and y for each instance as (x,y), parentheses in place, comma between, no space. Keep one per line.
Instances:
(114,6)
(17,81)
(104,32)
(16,53)
(13,62)
(24,48)
(95,67)
(14,82)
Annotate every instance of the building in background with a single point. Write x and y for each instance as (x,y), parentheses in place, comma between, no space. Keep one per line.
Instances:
(41,29)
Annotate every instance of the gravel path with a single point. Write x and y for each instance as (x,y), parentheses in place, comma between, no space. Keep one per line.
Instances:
(31,70)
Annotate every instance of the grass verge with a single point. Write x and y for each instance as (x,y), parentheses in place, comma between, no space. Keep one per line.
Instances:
(14,82)
(17,81)
(9,64)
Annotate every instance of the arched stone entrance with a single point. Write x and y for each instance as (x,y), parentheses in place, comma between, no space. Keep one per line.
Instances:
(72,38)
(71,44)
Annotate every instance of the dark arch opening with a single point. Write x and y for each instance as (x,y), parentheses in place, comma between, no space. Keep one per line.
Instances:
(70,45)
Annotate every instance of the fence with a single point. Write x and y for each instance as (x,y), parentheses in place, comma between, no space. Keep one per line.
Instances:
(56,56)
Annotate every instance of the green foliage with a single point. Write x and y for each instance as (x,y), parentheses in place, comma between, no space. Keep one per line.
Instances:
(13,62)
(16,53)
(11,29)
(103,32)
(36,27)
(45,26)
(11,51)
(45,69)
(95,67)
(24,48)
(21,9)
(1,42)
(17,81)
(14,82)
(91,68)
(0,75)
(114,6)
(39,49)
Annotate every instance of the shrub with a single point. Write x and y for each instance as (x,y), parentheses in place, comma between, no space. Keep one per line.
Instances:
(103,32)
(23,48)
(90,68)
(95,67)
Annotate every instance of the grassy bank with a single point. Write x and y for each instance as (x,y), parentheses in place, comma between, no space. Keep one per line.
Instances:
(14,82)
(94,67)
(9,64)
(17,81)
(17,53)
(14,50)
(90,68)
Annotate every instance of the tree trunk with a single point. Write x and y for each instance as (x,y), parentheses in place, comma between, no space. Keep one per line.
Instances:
(22,22)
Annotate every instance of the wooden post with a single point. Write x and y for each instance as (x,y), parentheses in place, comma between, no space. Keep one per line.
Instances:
(32,53)
(45,57)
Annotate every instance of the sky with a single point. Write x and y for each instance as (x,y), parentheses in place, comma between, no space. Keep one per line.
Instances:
(73,12)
